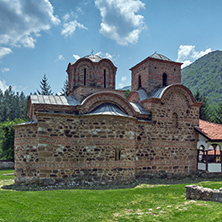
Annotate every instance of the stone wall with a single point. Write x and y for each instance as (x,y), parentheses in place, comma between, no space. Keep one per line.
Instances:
(6,164)
(194,192)
(26,153)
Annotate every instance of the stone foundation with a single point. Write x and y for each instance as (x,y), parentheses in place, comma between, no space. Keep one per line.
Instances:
(194,192)
(6,164)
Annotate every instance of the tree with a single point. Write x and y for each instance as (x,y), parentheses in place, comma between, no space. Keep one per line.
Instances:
(45,87)
(204,109)
(218,114)
(127,93)
(65,89)
(7,135)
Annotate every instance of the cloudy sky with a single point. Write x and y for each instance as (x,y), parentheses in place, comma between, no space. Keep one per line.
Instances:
(42,37)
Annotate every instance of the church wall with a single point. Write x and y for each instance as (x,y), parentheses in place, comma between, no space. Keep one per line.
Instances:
(26,154)
(82,92)
(83,148)
(173,141)
(151,73)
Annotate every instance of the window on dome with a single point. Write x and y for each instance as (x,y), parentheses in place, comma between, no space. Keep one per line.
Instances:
(104,78)
(139,82)
(165,81)
(84,81)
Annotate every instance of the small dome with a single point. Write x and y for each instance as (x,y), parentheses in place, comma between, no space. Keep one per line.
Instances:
(159,56)
(93,58)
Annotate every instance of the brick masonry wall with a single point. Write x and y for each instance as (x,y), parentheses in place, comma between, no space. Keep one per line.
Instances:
(173,150)
(151,72)
(82,148)
(97,74)
(83,91)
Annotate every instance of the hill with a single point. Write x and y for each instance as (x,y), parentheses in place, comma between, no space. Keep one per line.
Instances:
(205,74)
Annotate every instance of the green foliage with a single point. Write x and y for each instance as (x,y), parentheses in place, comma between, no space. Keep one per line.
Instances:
(12,105)
(7,139)
(45,87)
(204,109)
(218,114)
(205,74)
(127,93)
(65,89)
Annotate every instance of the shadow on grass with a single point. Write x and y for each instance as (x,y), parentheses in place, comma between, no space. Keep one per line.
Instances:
(135,184)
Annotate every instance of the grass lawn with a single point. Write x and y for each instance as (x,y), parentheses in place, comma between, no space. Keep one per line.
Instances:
(157,201)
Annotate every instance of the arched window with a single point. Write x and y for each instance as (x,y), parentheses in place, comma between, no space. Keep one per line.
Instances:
(104,78)
(139,82)
(84,80)
(165,79)
(175,120)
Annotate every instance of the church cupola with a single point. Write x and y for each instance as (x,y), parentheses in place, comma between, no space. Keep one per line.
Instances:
(91,71)
(154,72)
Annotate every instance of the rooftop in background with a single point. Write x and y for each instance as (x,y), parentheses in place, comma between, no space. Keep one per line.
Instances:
(54,100)
(211,131)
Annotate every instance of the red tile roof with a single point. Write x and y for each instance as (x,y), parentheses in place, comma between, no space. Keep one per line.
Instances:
(212,131)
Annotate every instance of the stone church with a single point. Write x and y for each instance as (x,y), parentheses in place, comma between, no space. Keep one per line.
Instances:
(97,135)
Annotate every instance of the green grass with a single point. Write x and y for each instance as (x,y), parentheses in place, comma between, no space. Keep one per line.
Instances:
(157,201)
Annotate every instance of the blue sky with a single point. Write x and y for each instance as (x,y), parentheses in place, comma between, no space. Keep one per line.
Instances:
(42,37)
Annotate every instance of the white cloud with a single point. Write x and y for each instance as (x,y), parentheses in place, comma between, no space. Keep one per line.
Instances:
(123,78)
(4,51)
(21,21)
(70,27)
(187,54)
(3,85)
(120,21)
(76,56)
(5,69)
(60,57)
(66,17)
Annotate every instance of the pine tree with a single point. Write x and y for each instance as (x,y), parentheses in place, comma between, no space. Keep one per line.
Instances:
(218,114)
(65,89)
(204,109)
(45,87)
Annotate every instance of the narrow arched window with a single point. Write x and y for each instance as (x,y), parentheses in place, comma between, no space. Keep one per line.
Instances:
(117,155)
(104,78)
(175,120)
(165,79)
(139,82)
(84,80)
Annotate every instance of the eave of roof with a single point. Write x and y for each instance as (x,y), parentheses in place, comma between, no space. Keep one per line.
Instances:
(211,131)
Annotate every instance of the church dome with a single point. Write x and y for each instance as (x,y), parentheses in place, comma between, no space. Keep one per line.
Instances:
(93,58)
(159,56)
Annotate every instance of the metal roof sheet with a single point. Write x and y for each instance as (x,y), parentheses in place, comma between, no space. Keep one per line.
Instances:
(158,93)
(107,109)
(139,108)
(54,100)
(142,94)
(159,56)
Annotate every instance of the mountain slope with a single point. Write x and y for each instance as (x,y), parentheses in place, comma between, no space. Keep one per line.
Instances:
(205,74)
